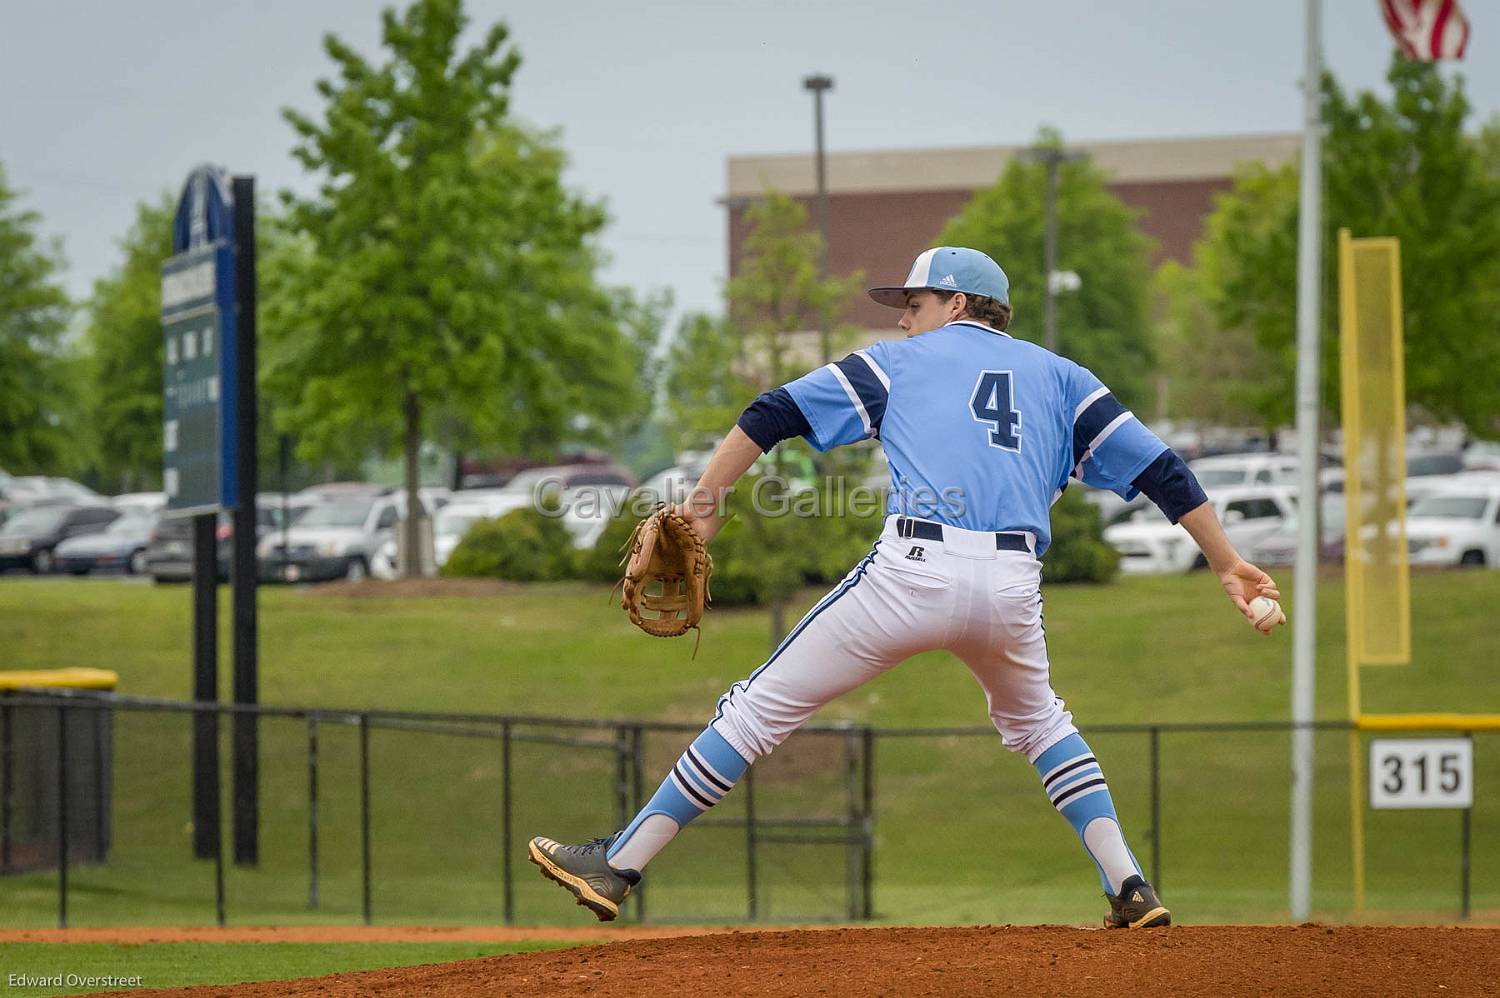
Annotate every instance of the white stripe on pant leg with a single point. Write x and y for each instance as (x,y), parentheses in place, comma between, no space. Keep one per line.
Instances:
(847,584)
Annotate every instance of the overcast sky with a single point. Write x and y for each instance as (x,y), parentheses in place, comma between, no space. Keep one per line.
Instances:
(109,103)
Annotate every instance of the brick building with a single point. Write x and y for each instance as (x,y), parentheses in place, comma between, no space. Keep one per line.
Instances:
(885,207)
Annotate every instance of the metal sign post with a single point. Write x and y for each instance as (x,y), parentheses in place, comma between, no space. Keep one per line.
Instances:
(1427,774)
(208,443)
(197,298)
(246,679)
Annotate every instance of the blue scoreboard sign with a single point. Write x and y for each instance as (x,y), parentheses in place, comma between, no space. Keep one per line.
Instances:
(198,320)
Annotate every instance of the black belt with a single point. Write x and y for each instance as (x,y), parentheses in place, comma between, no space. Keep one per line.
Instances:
(907,527)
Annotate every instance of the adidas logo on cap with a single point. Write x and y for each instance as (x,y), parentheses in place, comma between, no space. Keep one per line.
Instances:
(948,282)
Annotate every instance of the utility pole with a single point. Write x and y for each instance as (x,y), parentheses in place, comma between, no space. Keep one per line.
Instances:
(1051,157)
(818,84)
(1305,577)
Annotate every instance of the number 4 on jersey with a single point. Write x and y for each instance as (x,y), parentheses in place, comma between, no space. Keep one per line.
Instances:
(994,404)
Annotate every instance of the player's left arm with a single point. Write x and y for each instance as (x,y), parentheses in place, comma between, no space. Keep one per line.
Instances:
(704,508)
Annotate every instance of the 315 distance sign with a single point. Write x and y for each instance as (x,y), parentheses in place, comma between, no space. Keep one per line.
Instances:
(1422,773)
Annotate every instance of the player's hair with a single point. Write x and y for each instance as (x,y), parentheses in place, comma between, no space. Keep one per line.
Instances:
(982,308)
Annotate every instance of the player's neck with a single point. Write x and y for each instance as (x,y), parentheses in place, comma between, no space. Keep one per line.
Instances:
(966,320)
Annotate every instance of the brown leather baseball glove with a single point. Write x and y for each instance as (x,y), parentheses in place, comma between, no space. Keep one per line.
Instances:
(666,576)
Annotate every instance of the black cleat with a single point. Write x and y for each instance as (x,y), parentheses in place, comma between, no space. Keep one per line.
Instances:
(1137,907)
(585,872)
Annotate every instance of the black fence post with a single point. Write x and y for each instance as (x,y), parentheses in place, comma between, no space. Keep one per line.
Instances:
(852,824)
(622,777)
(506,829)
(867,830)
(637,763)
(219,914)
(1156,807)
(312,811)
(7,787)
(1464,849)
(751,899)
(205,687)
(1465,852)
(364,811)
(102,810)
(62,818)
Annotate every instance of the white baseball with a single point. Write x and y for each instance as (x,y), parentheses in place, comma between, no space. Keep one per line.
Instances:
(1266,614)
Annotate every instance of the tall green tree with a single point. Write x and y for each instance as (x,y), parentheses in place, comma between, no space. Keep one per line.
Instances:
(38,382)
(779,292)
(447,270)
(1217,376)
(1105,324)
(1400,166)
(706,388)
(125,345)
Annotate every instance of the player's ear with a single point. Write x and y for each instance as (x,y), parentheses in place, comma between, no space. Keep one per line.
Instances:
(957,305)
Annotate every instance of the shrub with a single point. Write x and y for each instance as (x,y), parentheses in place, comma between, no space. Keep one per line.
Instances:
(1078,552)
(758,556)
(524,545)
(601,563)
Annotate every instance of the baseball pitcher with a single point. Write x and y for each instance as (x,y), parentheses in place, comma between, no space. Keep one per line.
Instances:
(982,432)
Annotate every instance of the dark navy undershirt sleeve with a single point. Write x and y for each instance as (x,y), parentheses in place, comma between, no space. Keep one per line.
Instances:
(772,418)
(1169,483)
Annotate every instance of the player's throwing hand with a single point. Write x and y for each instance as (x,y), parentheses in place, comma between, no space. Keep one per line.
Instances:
(1243,582)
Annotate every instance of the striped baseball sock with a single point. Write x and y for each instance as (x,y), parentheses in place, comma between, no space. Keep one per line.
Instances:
(706,772)
(1075,785)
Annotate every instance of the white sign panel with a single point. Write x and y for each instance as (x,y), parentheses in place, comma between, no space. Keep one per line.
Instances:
(1422,773)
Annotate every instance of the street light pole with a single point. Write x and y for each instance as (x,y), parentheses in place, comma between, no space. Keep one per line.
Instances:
(818,84)
(1051,157)
(1049,255)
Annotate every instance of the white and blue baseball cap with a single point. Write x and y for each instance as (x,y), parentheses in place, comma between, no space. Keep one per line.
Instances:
(949,268)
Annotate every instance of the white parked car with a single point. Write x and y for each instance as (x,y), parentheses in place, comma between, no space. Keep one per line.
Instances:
(142,502)
(1228,470)
(335,539)
(468,507)
(1280,546)
(671,485)
(1148,543)
(1458,524)
(1482,455)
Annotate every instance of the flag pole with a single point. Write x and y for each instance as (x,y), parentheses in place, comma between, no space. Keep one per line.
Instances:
(1305,578)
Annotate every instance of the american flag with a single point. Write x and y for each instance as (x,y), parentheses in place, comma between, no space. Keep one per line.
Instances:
(1427,29)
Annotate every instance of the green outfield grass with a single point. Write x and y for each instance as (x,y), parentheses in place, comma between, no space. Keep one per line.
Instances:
(170,965)
(963,832)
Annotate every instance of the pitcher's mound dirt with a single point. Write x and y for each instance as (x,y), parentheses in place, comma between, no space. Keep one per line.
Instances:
(1041,960)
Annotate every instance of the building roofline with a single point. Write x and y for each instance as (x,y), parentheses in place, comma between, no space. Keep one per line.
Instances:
(969,168)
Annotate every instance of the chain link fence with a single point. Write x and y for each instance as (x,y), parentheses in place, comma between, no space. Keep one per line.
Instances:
(424,817)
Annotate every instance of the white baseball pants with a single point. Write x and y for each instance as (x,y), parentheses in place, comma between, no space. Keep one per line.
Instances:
(963,592)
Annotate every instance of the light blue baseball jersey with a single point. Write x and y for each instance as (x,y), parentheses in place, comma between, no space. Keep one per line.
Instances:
(982,431)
